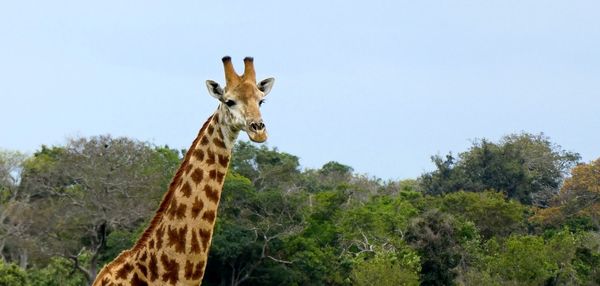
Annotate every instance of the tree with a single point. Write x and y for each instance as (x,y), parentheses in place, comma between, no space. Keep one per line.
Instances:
(250,231)
(580,195)
(12,275)
(59,272)
(587,259)
(11,165)
(434,236)
(578,203)
(78,194)
(266,168)
(383,269)
(491,213)
(530,260)
(447,177)
(314,252)
(525,167)
(11,228)
(380,223)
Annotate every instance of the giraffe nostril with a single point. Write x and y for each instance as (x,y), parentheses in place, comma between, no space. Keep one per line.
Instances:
(257,126)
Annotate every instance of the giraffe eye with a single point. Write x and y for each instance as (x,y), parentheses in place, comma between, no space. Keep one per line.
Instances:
(261,102)
(230,102)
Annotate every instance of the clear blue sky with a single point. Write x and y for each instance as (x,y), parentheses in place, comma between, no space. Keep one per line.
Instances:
(377,85)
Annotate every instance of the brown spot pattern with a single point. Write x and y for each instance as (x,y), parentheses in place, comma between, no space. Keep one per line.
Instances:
(204,237)
(190,273)
(209,216)
(189,269)
(176,210)
(216,175)
(199,270)
(223,160)
(220,177)
(219,143)
(210,129)
(197,176)
(124,270)
(197,207)
(199,154)
(142,269)
(160,231)
(151,244)
(177,238)
(210,157)
(171,269)
(212,195)
(204,140)
(181,211)
(195,243)
(153,267)
(144,256)
(186,190)
(136,281)
(172,207)
(188,168)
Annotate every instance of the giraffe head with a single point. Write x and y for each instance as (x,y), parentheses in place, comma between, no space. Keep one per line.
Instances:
(241,99)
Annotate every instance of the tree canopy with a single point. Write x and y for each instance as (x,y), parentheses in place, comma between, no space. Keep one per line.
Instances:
(521,211)
(525,167)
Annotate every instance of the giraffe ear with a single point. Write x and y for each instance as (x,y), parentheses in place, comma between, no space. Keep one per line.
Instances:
(265,85)
(214,89)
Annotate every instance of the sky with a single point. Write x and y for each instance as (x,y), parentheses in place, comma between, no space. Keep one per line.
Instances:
(377,85)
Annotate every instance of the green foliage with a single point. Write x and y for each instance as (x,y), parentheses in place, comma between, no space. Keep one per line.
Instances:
(491,213)
(578,203)
(533,260)
(163,160)
(250,233)
(117,241)
(334,168)
(434,237)
(12,275)
(469,222)
(381,221)
(73,197)
(266,168)
(523,259)
(383,269)
(587,258)
(525,167)
(59,272)
(313,264)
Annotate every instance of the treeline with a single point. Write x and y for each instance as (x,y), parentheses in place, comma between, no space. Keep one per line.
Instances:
(520,211)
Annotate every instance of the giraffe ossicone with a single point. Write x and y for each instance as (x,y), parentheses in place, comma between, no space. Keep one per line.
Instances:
(173,250)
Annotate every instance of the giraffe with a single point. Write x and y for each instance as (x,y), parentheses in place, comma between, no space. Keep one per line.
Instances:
(173,250)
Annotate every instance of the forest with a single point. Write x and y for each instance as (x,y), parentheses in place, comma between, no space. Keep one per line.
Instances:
(517,211)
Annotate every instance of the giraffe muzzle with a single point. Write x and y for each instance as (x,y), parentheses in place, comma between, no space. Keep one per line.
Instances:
(257,131)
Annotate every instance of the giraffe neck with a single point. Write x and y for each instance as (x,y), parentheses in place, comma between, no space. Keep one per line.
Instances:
(174,248)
